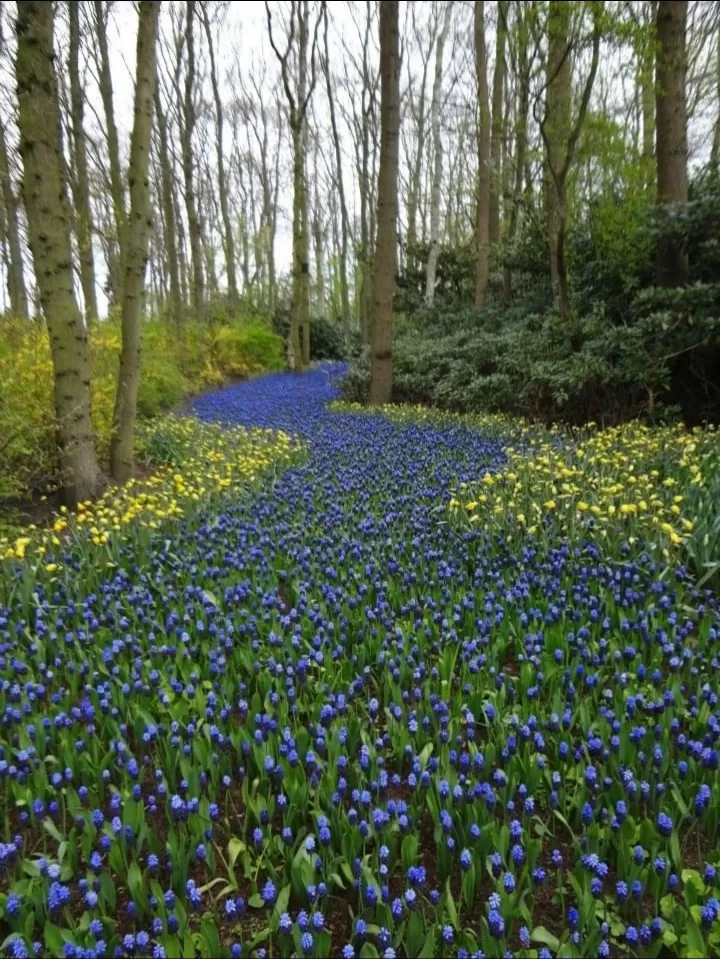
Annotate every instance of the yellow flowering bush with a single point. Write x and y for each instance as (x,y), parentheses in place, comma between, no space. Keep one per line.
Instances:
(192,462)
(176,362)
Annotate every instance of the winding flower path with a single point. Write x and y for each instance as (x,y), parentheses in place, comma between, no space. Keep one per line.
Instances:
(328,719)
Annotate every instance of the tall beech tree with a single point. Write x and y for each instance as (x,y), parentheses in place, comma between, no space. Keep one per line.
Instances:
(436,104)
(81,183)
(482,229)
(671,110)
(387,207)
(49,226)
(136,245)
(197,287)
(561,133)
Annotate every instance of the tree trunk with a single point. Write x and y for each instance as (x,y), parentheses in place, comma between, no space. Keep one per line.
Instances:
(136,247)
(300,307)
(117,190)
(80,181)
(272,281)
(715,149)
(672,188)
(319,243)
(416,171)
(344,219)
(647,98)
(16,274)
(386,244)
(228,240)
(560,137)
(49,220)
(364,238)
(197,291)
(496,140)
(523,103)
(168,207)
(483,206)
(559,78)
(434,252)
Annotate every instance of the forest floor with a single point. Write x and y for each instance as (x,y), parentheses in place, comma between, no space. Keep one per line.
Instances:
(367,705)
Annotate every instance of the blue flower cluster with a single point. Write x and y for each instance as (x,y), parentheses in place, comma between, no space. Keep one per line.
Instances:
(325,721)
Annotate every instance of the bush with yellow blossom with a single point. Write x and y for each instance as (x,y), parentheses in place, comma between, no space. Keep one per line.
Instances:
(176,362)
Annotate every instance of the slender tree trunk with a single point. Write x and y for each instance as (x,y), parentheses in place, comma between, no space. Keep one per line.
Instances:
(319,243)
(49,220)
(228,240)
(16,274)
(434,252)
(496,140)
(520,144)
(168,208)
(12,249)
(344,219)
(136,247)
(386,244)
(197,291)
(116,181)
(672,187)
(647,98)
(416,172)
(559,77)
(80,181)
(301,266)
(364,237)
(272,281)
(483,206)
(715,150)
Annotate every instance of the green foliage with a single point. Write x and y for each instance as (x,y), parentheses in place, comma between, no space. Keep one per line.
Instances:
(630,350)
(326,336)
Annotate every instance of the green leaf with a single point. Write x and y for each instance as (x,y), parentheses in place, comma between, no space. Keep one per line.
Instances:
(52,830)
(53,939)
(210,597)
(695,941)
(675,853)
(256,901)
(368,951)
(282,900)
(210,935)
(414,934)
(235,848)
(544,936)
(450,902)
(428,949)
(667,906)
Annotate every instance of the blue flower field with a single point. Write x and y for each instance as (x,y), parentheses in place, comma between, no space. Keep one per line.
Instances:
(322,716)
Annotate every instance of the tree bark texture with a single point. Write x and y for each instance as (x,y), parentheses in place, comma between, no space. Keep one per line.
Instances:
(386,244)
(136,247)
(49,222)
(81,186)
(197,290)
(117,189)
(672,186)
(497,134)
(16,276)
(434,252)
(482,230)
